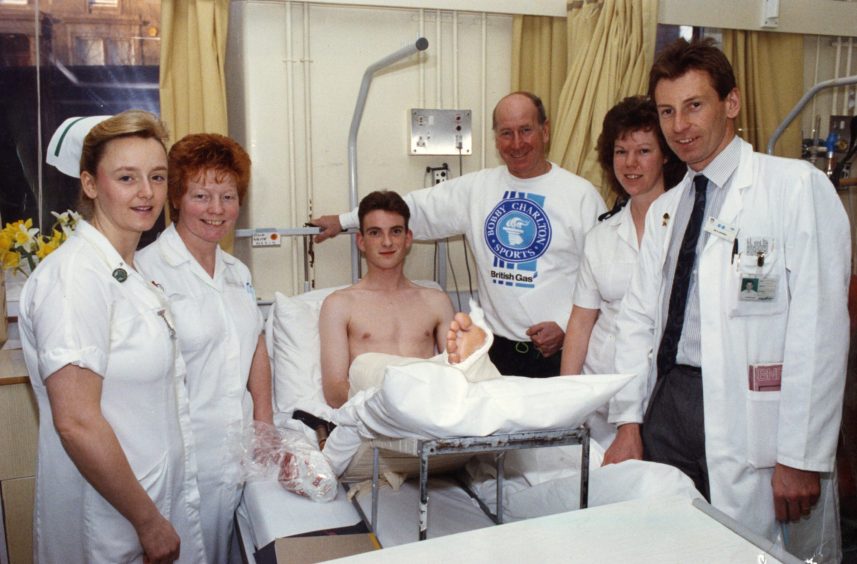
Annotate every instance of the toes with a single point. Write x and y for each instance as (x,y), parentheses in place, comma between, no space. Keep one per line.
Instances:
(462,320)
(452,339)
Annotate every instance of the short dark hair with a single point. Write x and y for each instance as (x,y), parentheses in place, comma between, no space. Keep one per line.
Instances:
(197,153)
(679,57)
(537,102)
(635,113)
(384,200)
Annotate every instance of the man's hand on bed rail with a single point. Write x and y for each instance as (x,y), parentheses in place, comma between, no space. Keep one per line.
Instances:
(330,227)
(627,445)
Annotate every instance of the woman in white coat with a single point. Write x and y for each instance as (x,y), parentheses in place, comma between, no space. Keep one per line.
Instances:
(219,326)
(639,165)
(115,480)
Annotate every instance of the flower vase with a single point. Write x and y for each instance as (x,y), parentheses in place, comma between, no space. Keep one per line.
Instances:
(14,283)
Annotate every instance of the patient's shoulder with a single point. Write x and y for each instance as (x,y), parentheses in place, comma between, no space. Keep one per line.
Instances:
(437,300)
(431,293)
(338,302)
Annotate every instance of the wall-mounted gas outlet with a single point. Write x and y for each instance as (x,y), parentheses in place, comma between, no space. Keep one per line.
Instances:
(438,173)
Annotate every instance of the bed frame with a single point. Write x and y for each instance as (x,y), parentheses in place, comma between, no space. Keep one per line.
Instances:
(497,443)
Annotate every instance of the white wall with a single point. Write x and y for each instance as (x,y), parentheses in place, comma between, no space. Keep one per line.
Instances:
(294,70)
(811,17)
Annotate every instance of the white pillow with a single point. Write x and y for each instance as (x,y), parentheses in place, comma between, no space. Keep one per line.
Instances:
(292,329)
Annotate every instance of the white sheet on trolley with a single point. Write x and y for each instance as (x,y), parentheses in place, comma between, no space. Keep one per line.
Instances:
(423,399)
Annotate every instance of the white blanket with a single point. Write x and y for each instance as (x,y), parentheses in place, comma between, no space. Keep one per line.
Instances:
(422,399)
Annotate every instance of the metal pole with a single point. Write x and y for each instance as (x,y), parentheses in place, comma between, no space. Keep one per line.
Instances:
(420,45)
(803,101)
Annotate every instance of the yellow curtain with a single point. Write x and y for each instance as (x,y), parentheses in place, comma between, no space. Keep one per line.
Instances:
(192,76)
(611,47)
(539,57)
(769,70)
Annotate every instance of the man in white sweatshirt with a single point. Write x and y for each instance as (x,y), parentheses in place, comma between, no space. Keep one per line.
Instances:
(525,222)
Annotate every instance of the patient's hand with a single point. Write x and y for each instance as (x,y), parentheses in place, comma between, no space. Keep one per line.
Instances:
(628,445)
(330,227)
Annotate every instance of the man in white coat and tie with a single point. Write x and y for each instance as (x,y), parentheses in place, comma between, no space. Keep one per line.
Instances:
(744,395)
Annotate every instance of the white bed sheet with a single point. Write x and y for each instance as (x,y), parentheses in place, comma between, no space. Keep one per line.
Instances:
(656,531)
(268,512)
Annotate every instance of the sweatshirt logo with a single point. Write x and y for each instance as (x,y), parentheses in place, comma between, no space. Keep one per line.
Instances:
(518,232)
(517,229)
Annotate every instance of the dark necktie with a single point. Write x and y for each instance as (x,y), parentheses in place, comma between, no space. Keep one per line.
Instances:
(681,280)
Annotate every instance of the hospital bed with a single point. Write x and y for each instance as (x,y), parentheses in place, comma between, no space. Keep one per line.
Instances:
(268,512)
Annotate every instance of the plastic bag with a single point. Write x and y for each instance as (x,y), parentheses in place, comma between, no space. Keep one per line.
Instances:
(289,456)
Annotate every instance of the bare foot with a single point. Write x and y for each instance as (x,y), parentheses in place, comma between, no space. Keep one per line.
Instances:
(463,338)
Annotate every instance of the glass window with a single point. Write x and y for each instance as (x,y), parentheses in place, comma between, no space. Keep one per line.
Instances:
(66,59)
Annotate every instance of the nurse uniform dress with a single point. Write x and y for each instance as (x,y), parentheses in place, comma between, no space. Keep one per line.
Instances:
(609,258)
(75,309)
(218,325)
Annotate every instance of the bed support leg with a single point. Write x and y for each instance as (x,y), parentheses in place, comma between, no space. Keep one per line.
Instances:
(424,456)
(584,467)
(501,477)
(375,477)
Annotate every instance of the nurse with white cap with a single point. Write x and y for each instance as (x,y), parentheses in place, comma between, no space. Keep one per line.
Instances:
(116,474)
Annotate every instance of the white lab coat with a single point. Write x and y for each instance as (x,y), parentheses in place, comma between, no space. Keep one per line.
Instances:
(218,324)
(805,328)
(73,311)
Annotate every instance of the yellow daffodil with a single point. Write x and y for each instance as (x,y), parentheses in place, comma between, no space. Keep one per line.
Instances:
(47,246)
(5,242)
(11,259)
(22,248)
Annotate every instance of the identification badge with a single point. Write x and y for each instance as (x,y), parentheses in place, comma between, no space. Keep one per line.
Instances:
(758,289)
(720,229)
(765,377)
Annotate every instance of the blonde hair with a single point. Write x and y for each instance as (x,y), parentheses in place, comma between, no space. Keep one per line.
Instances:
(130,123)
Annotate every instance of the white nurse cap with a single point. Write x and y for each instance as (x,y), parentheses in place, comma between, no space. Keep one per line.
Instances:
(67,143)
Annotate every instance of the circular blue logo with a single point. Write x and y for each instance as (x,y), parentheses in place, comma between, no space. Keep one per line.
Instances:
(517,230)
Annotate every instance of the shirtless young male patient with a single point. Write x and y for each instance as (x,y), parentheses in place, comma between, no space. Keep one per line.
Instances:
(384,312)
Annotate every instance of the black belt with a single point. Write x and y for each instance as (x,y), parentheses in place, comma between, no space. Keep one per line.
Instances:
(520,347)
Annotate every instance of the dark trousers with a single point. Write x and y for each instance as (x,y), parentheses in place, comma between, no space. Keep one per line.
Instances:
(520,358)
(674,427)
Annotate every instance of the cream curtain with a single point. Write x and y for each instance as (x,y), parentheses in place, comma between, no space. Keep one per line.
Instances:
(539,57)
(611,47)
(769,70)
(192,76)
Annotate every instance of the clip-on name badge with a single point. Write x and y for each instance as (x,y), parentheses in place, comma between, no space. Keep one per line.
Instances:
(720,229)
